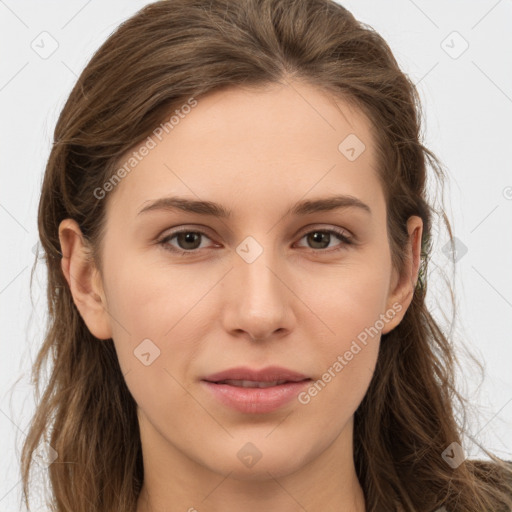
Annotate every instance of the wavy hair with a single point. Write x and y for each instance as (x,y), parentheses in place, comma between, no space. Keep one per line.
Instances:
(166,53)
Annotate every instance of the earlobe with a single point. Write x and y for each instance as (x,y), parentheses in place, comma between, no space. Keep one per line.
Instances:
(402,290)
(83,279)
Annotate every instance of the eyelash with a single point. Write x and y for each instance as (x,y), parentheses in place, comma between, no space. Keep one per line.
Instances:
(337,232)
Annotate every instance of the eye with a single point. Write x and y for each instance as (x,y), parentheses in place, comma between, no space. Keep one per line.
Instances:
(321,238)
(189,241)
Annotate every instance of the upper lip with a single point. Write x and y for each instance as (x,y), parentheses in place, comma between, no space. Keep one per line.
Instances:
(268,374)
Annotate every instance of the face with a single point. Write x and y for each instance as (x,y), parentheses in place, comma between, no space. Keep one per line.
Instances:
(283,280)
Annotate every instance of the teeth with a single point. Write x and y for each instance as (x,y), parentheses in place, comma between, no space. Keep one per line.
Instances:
(252,384)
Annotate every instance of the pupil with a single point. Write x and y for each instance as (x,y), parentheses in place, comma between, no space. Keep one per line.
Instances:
(317,238)
(188,237)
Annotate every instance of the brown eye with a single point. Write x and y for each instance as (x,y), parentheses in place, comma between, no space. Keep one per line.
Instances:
(321,238)
(187,241)
(318,240)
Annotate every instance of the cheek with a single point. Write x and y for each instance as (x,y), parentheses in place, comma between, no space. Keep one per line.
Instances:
(151,300)
(345,361)
(351,307)
(158,317)
(155,334)
(349,298)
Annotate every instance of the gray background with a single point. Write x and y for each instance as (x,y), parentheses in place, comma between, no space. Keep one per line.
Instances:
(467,102)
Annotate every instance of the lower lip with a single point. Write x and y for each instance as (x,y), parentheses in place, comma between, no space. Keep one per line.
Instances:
(256,400)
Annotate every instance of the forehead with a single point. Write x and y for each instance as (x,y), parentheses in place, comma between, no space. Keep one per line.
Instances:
(255,147)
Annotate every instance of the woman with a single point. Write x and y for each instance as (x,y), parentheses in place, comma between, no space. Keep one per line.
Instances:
(237,233)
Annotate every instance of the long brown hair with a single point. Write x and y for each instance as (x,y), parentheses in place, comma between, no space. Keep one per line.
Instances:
(169,52)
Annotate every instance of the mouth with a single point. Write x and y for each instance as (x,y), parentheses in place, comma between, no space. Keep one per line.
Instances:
(251,377)
(255,384)
(255,397)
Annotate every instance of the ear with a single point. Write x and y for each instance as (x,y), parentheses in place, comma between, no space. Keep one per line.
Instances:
(84,279)
(402,287)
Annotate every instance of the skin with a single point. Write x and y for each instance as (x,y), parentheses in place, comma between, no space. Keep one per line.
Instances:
(299,304)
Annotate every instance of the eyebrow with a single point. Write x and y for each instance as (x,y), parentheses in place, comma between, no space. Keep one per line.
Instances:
(210,208)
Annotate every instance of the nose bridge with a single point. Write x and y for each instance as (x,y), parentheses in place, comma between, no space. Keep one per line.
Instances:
(256,270)
(260,299)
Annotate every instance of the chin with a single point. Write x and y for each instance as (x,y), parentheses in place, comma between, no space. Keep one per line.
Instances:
(248,462)
(259,472)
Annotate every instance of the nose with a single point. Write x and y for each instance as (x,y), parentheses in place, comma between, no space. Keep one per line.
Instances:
(259,304)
